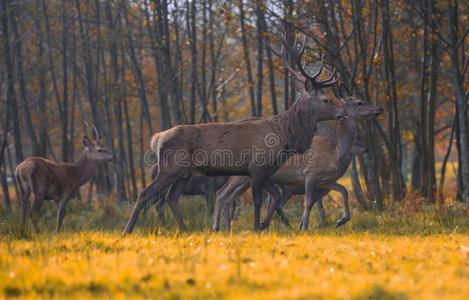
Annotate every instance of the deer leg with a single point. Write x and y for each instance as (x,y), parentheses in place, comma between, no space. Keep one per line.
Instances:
(310,199)
(346,215)
(220,198)
(151,190)
(217,213)
(36,207)
(210,197)
(285,196)
(231,189)
(322,213)
(175,192)
(239,189)
(273,191)
(233,208)
(24,205)
(159,207)
(61,210)
(257,189)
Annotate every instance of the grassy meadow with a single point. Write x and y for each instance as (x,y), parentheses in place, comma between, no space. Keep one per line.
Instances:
(411,251)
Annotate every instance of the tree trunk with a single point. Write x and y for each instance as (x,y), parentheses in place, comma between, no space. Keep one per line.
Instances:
(6,10)
(247,60)
(260,55)
(398,184)
(461,103)
(116,95)
(22,82)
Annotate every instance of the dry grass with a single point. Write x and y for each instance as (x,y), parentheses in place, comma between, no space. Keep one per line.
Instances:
(398,254)
(265,266)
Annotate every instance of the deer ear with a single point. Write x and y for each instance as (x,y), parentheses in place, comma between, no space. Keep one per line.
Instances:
(86,141)
(309,85)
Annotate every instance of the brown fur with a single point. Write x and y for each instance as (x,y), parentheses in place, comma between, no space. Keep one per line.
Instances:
(48,180)
(292,131)
(326,162)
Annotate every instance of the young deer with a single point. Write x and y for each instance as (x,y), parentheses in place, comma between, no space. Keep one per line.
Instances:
(48,180)
(255,147)
(315,172)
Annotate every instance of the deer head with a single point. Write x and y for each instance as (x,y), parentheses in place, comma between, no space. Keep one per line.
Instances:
(356,108)
(95,149)
(308,85)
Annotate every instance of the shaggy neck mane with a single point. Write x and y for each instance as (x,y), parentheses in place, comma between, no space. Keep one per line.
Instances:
(296,126)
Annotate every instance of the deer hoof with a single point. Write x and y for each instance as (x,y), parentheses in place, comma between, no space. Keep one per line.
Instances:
(263,226)
(341,221)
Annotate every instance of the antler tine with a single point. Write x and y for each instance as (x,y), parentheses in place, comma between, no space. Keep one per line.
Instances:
(95,130)
(331,77)
(329,81)
(285,62)
(87,126)
(318,72)
(296,55)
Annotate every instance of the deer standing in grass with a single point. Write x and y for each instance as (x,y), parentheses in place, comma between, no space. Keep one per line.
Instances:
(196,185)
(255,148)
(47,180)
(314,173)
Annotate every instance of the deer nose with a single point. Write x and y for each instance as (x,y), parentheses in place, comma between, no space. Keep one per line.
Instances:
(378,111)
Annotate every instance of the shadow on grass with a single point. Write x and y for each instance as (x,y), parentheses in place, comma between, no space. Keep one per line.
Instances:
(378,292)
(79,217)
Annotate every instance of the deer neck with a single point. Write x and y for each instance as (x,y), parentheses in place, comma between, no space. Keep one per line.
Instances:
(297,126)
(85,168)
(346,132)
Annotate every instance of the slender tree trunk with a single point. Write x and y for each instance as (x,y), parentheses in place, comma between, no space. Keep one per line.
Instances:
(461,103)
(357,187)
(398,185)
(6,10)
(51,60)
(445,161)
(137,71)
(247,59)
(22,82)
(65,142)
(129,138)
(116,95)
(260,56)
(5,191)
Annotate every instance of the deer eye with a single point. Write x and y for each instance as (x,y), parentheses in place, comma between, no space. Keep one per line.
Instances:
(100,150)
(325,101)
(359,103)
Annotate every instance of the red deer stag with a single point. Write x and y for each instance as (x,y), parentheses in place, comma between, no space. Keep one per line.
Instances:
(316,171)
(255,147)
(48,180)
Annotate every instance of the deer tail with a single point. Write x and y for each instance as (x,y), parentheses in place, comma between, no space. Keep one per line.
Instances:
(154,142)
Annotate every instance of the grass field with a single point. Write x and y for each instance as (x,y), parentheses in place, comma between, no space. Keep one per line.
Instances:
(405,253)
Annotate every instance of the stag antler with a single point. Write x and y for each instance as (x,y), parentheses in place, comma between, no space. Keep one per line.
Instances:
(95,130)
(341,91)
(96,133)
(303,76)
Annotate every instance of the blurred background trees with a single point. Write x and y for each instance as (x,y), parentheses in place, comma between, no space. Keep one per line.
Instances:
(136,67)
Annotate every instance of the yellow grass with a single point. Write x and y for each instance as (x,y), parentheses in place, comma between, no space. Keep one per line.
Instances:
(261,266)
(410,251)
